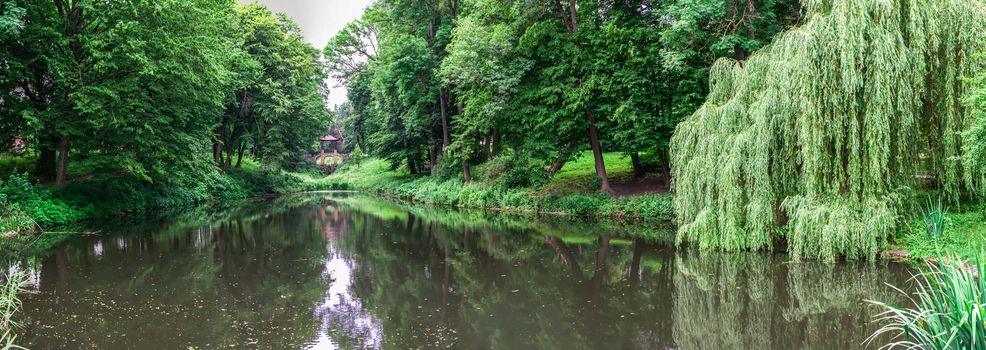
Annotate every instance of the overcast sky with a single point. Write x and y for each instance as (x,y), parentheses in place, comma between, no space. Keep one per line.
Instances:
(320,20)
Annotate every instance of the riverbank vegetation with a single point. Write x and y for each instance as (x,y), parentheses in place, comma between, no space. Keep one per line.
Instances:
(816,139)
(488,190)
(766,152)
(949,311)
(125,107)
(498,104)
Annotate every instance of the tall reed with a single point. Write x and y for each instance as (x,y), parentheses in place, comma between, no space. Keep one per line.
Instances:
(949,310)
(934,219)
(14,282)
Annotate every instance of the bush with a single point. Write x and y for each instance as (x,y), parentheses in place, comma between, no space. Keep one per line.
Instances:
(510,169)
(17,188)
(446,169)
(260,183)
(583,204)
(646,207)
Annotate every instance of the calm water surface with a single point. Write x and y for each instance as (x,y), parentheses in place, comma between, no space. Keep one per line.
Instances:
(333,271)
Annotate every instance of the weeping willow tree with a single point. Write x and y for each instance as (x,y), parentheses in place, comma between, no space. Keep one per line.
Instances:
(816,138)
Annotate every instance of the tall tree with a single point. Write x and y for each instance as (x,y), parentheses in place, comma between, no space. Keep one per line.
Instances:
(94,75)
(812,138)
(278,105)
(484,69)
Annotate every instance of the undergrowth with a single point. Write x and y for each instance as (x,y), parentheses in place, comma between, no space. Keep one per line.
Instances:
(487,192)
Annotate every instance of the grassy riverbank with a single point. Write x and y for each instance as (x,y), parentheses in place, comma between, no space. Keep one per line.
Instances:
(28,206)
(568,192)
(962,234)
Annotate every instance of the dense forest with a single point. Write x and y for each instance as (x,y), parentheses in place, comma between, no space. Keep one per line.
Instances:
(443,85)
(166,91)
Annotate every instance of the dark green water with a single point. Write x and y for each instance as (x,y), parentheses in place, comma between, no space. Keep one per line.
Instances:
(332,271)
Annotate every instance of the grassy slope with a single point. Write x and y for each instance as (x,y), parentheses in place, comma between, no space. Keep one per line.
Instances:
(578,175)
(571,191)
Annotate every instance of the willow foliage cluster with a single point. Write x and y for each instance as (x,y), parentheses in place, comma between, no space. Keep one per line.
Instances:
(816,137)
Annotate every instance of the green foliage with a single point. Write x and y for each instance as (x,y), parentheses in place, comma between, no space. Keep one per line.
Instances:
(513,170)
(949,310)
(357,156)
(468,79)
(826,126)
(974,139)
(23,203)
(276,111)
(962,235)
(90,76)
(377,177)
(934,220)
(14,281)
(147,88)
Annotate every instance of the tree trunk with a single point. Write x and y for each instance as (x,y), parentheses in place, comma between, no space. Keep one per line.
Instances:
(217,146)
(496,142)
(665,160)
(432,154)
(638,169)
(62,167)
(45,166)
(441,107)
(229,158)
(411,167)
(487,152)
(239,156)
(217,153)
(739,52)
(560,161)
(466,174)
(597,153)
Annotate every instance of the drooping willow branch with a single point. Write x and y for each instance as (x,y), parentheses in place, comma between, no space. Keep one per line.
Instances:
(814,138)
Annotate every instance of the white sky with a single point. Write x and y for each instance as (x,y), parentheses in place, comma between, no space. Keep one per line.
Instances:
(320,20)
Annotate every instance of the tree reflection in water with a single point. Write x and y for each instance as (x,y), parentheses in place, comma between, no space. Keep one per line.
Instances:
(325,271)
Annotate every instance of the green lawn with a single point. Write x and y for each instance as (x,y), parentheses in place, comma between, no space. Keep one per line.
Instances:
(579,174)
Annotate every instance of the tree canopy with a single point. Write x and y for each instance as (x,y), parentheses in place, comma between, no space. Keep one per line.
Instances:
(459,82)
(815,137)
(148,87)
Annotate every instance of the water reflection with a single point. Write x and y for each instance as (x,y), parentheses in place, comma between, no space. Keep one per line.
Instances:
(353,272)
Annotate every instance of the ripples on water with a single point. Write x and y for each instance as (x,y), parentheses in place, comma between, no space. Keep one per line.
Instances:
(325,271)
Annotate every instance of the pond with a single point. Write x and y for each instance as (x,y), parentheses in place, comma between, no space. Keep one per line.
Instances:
(343,271)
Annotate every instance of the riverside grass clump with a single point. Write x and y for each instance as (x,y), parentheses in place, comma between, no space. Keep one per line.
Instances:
(12,284)
(816,137)
(949,310)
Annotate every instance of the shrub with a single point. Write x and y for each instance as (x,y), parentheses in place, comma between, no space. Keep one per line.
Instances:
(583,204)
(646,207)
(446,168)
(17,188)
(511,169)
